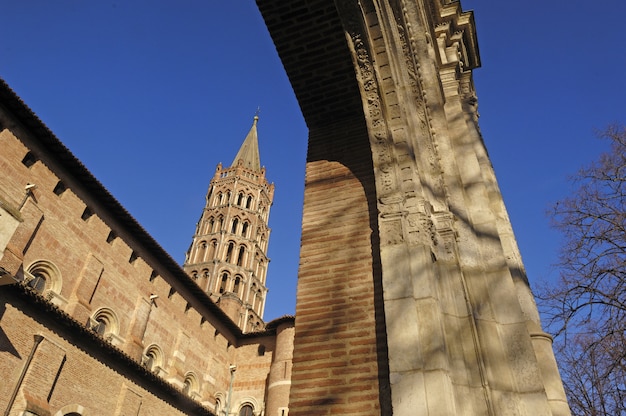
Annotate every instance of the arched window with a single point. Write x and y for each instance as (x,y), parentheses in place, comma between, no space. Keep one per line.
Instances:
(218,403)
(152,358)
(104,322)
(218,198)
(223,282)
(190,384)
(71,410)
(246,410)
(236,284)
(240,199)
(201,251)
(220,221)
(252,293)
(228,197)
(43,275)
(211,224)
(233,229)
(244,229)
(242,252)
(212,246)
(229,252)
(249,202)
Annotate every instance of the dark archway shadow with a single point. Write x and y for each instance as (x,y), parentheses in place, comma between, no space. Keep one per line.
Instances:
(5,343)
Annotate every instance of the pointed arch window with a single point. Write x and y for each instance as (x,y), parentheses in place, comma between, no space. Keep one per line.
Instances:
(249,202)
(228,197)
(240,199)
(233,229)
(211,224)
(218,198)
(244,229)
(220,221)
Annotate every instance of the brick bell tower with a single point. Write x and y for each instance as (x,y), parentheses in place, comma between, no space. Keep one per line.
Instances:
(227,256)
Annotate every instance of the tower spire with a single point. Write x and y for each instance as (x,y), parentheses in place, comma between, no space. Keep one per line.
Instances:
(227,257)
(249,152)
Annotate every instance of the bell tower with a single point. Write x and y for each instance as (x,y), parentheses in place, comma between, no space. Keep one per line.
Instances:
(227,256)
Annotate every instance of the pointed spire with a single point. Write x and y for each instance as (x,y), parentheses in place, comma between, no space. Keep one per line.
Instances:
(249,151)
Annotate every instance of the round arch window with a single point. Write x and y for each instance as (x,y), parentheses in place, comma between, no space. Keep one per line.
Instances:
(246,410)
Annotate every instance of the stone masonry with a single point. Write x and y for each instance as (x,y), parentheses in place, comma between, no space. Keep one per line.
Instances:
(427,309)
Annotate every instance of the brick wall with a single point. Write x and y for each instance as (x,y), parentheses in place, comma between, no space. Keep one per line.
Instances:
(339,362)
(121,274)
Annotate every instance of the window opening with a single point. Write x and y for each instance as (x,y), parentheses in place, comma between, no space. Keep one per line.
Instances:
(59,188)
(223,282)
(38,284)
(236,285)
(229,252)
(242,251)
(87,213)
(29,159)
(246,410)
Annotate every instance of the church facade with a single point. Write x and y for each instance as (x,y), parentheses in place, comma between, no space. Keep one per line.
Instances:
(412,297)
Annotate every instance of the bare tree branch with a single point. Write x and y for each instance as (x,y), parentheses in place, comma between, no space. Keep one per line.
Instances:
(587,307)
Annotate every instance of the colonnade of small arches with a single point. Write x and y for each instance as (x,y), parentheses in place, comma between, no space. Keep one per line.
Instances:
(234,283)
(238,226)
(224,198)
(237,254)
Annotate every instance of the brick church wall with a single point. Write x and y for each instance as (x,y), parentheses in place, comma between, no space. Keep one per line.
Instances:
(102,260)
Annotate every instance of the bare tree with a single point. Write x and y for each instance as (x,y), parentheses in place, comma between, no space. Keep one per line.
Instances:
(587,307)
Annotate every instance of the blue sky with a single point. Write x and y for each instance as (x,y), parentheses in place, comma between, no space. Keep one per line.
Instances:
(151,95)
